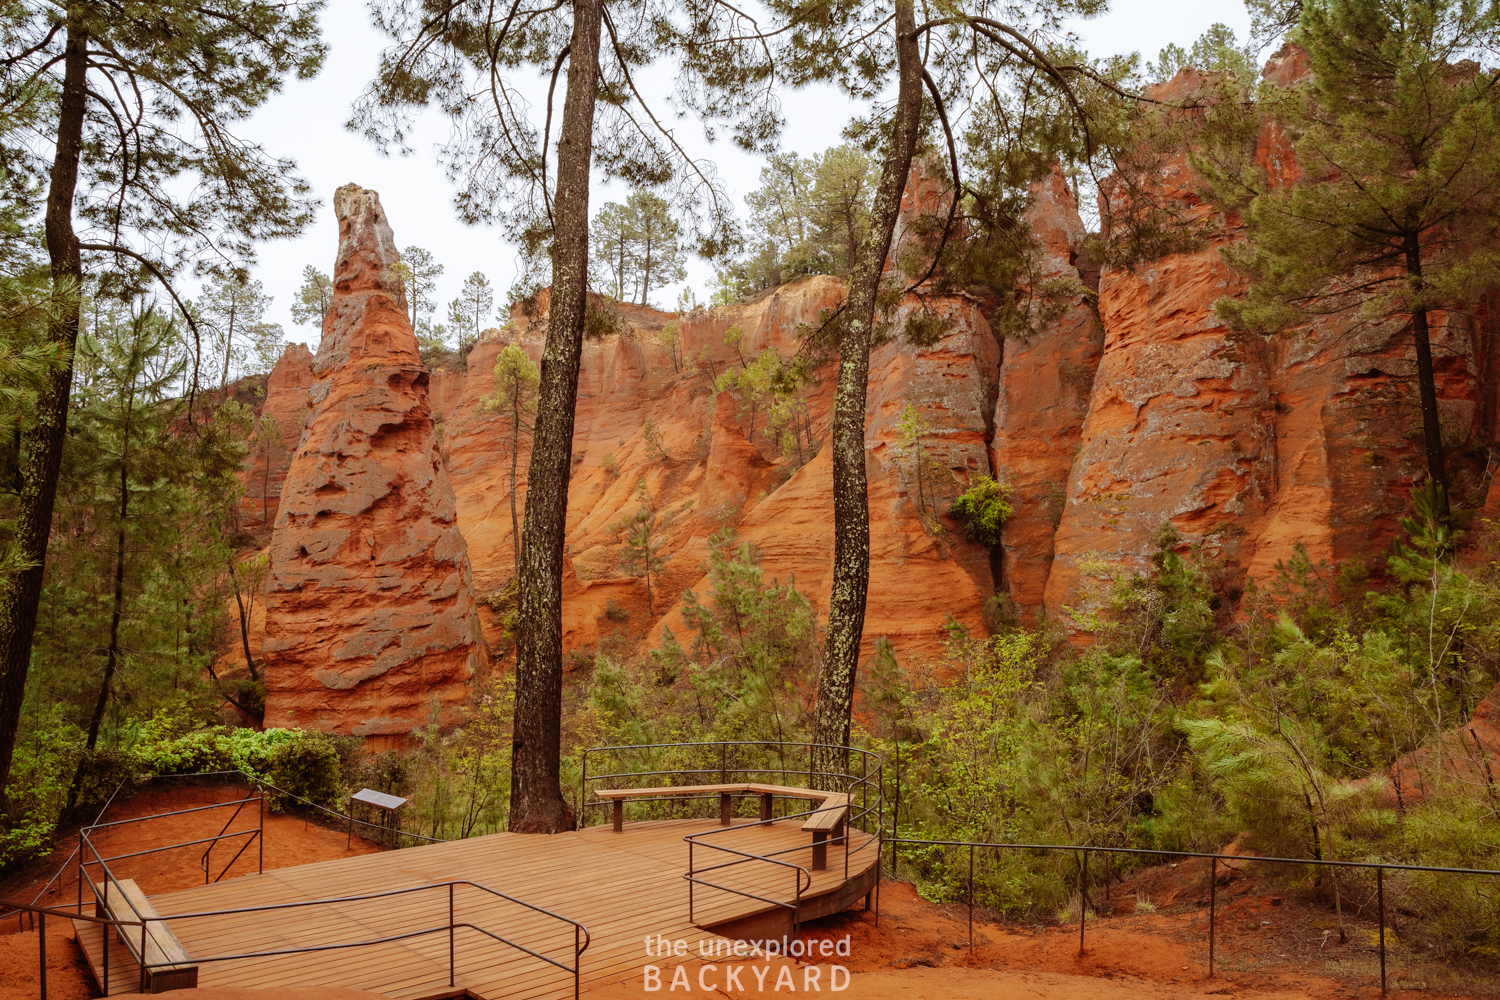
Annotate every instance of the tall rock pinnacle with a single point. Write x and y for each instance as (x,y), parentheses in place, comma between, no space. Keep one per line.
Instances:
(370,618)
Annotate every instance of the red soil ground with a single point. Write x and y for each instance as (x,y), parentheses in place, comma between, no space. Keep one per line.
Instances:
(917,951)
(289,841)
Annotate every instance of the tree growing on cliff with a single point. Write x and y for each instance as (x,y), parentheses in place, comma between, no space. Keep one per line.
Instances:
(268,443)
(1400,138)
(910,449)
(140,101)
(314,298)
(467,313)
(640,243)
(644,551)
(514,398)
(233,308)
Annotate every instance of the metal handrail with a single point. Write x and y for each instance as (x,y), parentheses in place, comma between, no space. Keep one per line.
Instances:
(581,936)
(40,914)
(1381,867)
(853,785)
(579,928)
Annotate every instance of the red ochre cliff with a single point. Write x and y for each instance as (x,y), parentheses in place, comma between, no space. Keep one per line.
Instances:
(1134,409)
(370,622)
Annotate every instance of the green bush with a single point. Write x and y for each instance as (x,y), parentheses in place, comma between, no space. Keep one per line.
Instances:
(985,507)
(310,765)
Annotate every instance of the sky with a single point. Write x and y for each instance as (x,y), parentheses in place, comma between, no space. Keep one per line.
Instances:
(306,123)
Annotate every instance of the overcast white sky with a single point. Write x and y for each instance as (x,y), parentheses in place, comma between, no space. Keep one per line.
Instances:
(306,120)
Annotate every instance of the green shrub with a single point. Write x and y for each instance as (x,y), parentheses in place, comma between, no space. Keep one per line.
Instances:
(310,765)
(985,507)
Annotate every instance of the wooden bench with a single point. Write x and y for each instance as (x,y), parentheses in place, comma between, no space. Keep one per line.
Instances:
(828,818)
(168,965)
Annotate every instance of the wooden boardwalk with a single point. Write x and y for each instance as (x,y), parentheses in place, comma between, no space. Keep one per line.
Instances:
(621,886)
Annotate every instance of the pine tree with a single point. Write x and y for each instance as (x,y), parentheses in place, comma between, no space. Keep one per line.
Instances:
(116,82)
(511,171)
(643,553)
(314,298)
(516,381)
(467,313)
(1400,138)
(233,308)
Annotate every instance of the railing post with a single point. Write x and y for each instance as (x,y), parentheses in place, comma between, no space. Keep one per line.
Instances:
(261,830)
(1380,895)
(1083,899)
(451,967)
(41,938)
(1213,909)
(577,962)
(145,976)
(109,930)
(971,899)
(690,882)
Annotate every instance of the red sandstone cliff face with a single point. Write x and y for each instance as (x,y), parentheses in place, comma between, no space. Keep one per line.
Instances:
(717,471)
(1046,384)
(1246,445)
(271,453)
(1133,410)
(370,622)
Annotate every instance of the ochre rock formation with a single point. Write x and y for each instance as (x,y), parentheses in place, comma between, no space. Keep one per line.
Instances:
(1046,383)
(1246,445)
(716,471)
(1132,409)
(370,620)
(271,453)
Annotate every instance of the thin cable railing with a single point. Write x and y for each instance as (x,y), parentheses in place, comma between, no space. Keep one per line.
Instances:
(87,855)
(700,767)
(1380,868)
(580,933)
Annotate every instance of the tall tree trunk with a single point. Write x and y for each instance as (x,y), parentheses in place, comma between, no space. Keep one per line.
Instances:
(515,454)
(234,581)
(1432,428)
(228,343)
(112,656)
(537,804)
(851,511)
(20,595)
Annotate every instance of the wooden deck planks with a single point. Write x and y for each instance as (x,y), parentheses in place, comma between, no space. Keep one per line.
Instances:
(622,886)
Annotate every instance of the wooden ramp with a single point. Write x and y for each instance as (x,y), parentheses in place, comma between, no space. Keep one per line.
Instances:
(621,886)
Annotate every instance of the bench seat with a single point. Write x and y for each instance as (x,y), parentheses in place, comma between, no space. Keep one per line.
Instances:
(829,816)
(169,967)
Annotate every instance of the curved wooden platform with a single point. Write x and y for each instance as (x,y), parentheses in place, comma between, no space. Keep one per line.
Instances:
(622,886)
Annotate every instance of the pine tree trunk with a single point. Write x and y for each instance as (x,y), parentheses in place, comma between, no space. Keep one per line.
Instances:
(515,455)
(537,804)
(851,512)
(1432,428)
(41,458)
(112,656)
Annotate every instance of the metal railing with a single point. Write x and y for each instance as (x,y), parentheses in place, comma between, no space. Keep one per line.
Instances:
(87,855)
(861,789)
(581,937)
(1380,867)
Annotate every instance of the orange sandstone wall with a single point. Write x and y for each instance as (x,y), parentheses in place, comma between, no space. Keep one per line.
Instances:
(370,625)
(1135,409)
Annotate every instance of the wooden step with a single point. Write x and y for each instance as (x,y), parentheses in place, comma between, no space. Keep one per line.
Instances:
(168,965)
